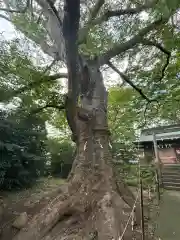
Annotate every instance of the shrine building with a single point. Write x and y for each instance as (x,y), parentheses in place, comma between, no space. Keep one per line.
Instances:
(167,140)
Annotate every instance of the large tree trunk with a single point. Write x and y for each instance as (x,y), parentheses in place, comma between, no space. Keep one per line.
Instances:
(93,206)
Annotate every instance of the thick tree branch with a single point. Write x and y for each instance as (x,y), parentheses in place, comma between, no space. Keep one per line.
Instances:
(162,49)
(38,110)
(70,32)
(129,11)
(126,79)
(50,66)
(51,4)
(92,21)
(120,48)
(54,28)
(17,10)
(157,45)
(6,18)
(49,50)
(93,13)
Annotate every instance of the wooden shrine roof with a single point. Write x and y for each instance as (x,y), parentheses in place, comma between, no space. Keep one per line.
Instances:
(170,132)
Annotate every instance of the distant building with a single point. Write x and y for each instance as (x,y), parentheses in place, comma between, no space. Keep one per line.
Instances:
(168,142)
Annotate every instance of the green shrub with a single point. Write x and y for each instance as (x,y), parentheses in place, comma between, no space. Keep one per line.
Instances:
(22,151)
(61,157)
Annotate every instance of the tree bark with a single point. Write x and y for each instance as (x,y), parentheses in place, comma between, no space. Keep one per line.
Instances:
(93,206)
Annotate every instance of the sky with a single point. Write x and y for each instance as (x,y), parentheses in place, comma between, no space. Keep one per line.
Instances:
(7,29)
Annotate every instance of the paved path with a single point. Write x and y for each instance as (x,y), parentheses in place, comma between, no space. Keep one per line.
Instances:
(168,222)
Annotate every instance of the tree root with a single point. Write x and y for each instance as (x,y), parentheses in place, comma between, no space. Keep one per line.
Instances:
(94,212)
(41,224)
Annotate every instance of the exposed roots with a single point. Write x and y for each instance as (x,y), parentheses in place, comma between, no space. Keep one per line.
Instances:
(94,210)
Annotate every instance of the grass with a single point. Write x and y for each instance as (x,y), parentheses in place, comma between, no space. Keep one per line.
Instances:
(168,221)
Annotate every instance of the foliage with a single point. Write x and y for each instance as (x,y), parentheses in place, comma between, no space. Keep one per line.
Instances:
(22,149)
(122,120)
(29,129)
(61,157)
(132,174)
(20,69)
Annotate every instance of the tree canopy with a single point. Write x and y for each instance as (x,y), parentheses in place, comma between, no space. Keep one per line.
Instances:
(149,56)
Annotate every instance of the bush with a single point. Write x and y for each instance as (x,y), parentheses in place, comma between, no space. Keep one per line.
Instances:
(61,157)
(22,151)
(130,174)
